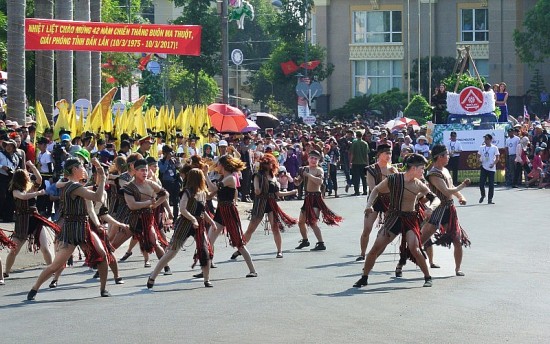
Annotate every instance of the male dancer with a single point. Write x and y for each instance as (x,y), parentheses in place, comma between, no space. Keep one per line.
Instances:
(441,183)
(376,173)
(312,177)
(405,191)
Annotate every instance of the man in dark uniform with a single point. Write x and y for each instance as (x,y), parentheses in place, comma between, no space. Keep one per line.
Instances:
(244,150)
(145,143)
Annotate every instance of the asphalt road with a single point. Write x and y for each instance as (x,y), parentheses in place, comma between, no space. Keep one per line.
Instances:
(307,297)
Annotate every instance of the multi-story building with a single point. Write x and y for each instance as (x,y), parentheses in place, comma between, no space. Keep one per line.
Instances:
(373,43)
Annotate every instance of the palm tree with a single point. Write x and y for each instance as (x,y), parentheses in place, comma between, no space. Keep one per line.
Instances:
(16,61)
(44,61)
(64,59)
(83,58)
(95,16)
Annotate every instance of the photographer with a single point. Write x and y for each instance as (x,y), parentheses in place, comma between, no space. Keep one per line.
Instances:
(9,162)
(169,176)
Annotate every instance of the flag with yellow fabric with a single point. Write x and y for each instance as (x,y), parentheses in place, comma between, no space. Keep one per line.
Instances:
(42,122)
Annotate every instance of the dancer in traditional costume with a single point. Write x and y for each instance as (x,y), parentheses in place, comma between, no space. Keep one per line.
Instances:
(75,229)
(142,197)
(227,214)
(266,190)
(445,217)
(190,222)
(405,191)
(314,205)
(29,224)
(376,173)
(4,242)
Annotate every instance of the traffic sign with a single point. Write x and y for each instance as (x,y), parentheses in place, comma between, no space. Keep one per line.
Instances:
(237,56)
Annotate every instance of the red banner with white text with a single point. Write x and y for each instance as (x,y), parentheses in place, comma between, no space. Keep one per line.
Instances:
(46,34)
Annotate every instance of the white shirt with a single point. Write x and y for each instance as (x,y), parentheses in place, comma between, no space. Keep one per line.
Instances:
(422,149)
(488,156)
(511,144)
(454,146)
(44,159)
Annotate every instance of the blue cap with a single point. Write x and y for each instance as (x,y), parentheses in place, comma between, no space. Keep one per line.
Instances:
(65,137)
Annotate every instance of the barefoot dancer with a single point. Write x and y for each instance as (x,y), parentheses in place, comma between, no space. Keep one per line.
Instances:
(312,177)
(266,190)
(76,227)
(405,190)
(190,222)
(376,173)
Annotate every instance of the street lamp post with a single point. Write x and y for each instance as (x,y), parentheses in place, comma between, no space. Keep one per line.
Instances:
(225,51)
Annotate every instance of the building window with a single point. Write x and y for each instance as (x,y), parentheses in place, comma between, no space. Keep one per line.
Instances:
(482,66)
(377,27)
(475,25)
(373,77)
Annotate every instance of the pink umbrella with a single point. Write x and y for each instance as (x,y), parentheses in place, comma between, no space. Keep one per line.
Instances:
(252,126)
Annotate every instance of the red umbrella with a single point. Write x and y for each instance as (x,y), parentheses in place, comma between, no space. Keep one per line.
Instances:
(226,118)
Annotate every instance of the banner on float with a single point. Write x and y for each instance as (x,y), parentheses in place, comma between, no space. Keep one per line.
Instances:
(46,34)
(471,140)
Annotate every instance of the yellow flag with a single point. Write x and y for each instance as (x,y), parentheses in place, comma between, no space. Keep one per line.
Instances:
(107,126)
(63,122)
(41,121)
(80,124)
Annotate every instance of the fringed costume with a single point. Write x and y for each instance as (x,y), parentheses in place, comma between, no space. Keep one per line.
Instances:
(227,215)
(29,223)
(313,200)
(382,203)
(76,224)
(120,210)
(183,229)
(5,240)
(266,202)
(445,213)
(400,222)
(142,222)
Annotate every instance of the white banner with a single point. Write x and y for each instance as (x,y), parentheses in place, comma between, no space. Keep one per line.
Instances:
(471,140)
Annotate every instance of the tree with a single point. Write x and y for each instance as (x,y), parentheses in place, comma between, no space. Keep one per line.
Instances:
(199,12)
(95,16)
(537,95)
(16,62)
(357,105)
(441,68)
(389,103)
(83,58)
(44,71)
(418,109)
(186,86)
(533,44)
(64,60)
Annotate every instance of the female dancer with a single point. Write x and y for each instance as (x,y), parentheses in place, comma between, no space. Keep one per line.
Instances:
(101,247)
(266,190)
(376,173)
(227,214)
(190,222)
(76,226)
(29,225)
(4,242)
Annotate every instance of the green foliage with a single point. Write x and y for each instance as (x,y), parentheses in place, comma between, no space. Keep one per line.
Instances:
(199,12)
(191,88)
(441,68)
(535,90)
(465,81)
(291,19)
(153,86)
(357,105)
(533,44)
(124,66)
(389,103)
(418,109)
